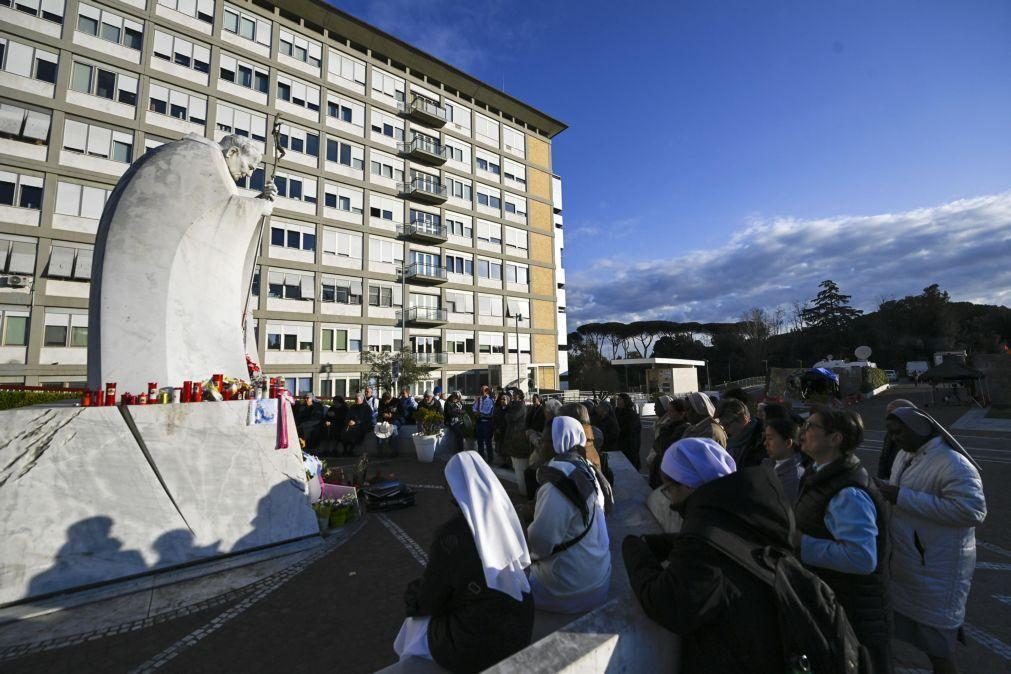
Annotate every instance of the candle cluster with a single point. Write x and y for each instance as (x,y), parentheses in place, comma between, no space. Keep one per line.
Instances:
(218,387)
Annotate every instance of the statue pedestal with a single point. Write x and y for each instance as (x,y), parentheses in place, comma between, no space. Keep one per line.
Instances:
(91,495)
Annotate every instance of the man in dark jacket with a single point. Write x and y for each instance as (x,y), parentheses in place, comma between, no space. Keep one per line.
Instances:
(604,419)
(745,436)
(725,616)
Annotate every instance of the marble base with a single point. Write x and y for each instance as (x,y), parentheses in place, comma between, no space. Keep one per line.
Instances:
(83,500)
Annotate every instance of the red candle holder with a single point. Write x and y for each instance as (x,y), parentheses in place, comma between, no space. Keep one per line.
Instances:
(110,393)
(86,399)
(197,394)
(152,391)
(99,398)
(186,392)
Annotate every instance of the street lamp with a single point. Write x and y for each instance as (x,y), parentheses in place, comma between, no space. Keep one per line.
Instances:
(519,317)
(328,370)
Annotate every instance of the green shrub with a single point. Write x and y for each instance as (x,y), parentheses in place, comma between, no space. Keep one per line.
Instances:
(429,421)
(873,378)
(12,399)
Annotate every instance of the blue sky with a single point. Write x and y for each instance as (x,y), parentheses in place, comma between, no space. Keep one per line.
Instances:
(724,155)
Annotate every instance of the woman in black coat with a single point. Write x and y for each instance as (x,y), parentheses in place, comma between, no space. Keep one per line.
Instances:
(630,428)
(334,421)
(472,607)
(359,422)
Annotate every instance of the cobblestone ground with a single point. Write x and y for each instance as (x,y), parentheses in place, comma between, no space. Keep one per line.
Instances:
(341,610)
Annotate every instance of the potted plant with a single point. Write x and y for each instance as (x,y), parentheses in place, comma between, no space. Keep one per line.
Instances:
(323,509)
(426,440)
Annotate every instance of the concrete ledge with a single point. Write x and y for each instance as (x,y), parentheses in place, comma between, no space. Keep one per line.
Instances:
(618,636)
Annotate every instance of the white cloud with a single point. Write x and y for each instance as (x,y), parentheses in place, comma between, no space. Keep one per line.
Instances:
(964,246)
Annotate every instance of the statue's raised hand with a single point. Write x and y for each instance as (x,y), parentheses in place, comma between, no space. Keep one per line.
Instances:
(268,195)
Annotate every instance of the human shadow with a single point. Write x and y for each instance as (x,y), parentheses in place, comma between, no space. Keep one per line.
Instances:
(176,547)
(90,555)
(282,515)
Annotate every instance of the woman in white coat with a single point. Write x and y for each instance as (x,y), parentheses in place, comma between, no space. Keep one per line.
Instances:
(938,502)
(568,541)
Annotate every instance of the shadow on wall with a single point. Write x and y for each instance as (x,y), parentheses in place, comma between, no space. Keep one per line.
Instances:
(92,554)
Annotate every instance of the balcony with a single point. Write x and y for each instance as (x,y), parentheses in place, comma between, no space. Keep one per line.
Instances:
(423,189)
(423,232)
(425,316)
(424,149)
(426,111)
(425,274)
(431,358)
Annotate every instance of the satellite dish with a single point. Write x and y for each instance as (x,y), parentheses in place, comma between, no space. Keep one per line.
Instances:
(862,352)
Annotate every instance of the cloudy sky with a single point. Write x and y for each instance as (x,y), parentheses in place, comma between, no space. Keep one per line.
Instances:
(729,154)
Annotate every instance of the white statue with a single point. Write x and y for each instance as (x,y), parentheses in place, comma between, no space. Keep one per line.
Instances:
(173,261)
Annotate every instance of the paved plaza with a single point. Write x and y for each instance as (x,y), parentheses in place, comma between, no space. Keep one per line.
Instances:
(337,606)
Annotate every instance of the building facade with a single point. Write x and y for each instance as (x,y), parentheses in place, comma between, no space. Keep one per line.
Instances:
(414,200)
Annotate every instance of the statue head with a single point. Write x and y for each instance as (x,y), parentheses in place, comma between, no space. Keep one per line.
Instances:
(241,155)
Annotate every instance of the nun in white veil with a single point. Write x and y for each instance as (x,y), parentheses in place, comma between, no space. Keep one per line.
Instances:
(472,607)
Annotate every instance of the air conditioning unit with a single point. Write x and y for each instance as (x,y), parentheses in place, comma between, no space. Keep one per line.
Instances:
(17,281)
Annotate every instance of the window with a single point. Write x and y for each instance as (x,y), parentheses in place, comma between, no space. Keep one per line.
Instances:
(243,73)
(341,339)
(345,153)
(69,261)
(489,232)
(290,285)
(459,264)
(346,71)
(300,48)
(80,200)
(89,79)
(298,93)
(485,129)
(458,188)
(518,307)
(97,141)
(65,329)
(487,162)
(459,225)
(513,141)
(459,303)
(345,110)
(380,296)
(385,208)
(457,150)
(385,166)
(384,339)
(457,115)
(387,125)
(427,221)
(28,61)
(24,125)
(385,84)
(489,269)
(515,205)
(13,327)
(489,305)
(17,254)
(524,342)
(491,342)
(295,186)
(342,244)
(460,342)
(341,290)
(343,197)
(177,103)
(516,241)
(20,190)
(299,140)
(50,10)
(291,235)
(516,273)
(242,122)
(246,25)
(385,250)
(514,173)
(289,336)
(175,49)
(110,26)
(489,197)
(202,10)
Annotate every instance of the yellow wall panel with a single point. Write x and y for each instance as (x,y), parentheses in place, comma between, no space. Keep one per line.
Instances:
(545,348)
(538,152)
(542,281)
(540,215)
(543,314)
(542,248)
(539,183)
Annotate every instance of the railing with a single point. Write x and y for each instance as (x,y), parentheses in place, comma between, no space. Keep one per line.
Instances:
(425,106)
(741,383)
(423,228)
(432,187)
(428,314)
(423,144)
(431,358)
(425,269)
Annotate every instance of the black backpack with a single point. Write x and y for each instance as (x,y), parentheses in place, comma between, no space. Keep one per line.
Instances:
(815,634)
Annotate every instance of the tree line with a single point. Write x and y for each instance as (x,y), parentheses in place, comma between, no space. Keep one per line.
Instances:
(900,330)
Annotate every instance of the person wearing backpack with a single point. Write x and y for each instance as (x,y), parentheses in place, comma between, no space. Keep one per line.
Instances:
(724,613)
(843,530)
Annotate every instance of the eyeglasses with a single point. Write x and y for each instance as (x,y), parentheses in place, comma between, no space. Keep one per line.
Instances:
(810,424)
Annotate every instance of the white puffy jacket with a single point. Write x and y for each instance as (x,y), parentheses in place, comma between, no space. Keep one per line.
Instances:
(933,522)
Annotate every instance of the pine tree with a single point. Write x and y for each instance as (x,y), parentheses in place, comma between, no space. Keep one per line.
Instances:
(830,311)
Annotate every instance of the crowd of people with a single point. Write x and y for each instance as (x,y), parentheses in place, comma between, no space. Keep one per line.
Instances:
(897,550)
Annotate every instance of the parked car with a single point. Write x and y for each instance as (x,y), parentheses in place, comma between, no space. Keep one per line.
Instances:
(892,375)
